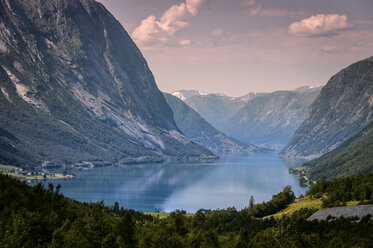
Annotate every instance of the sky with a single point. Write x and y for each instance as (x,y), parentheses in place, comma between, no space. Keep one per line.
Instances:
(240,46)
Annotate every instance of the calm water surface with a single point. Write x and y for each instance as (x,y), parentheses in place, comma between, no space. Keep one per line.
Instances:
(229,181)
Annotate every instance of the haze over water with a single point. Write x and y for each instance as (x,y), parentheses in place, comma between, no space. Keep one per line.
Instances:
(227,182)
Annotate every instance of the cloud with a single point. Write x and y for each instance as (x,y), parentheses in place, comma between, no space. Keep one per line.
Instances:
(320,25)
(255,6)
(184,42)
(329,50)
(256,9)
(152,31)
(217,32)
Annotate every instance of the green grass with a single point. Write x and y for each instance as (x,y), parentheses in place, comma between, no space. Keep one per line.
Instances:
(305,202)
(299,203)
(7,167)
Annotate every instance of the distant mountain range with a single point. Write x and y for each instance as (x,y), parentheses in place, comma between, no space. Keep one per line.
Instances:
(75,89)
(265,119)
(197,129)
(343,108)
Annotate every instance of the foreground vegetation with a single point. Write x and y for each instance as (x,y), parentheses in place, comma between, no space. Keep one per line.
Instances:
(38,217)
(342,190)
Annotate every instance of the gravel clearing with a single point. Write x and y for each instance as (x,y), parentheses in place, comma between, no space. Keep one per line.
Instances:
(354,211)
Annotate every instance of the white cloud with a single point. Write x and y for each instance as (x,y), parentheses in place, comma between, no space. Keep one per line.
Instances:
(184,42)
(151,31)
(217,32)
(320,25)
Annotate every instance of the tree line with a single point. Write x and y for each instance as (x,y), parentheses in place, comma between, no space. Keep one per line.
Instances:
(43,217)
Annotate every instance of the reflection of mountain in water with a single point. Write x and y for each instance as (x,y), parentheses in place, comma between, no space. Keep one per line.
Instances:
(293,162)
(151,186)
(230,181)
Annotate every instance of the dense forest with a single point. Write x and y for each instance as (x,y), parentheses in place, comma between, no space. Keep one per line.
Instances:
(39,217)
(341,190)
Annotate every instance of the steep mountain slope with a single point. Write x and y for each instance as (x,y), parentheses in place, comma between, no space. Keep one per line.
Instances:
(271,119)
(343,108)
(215,108)
(266,119)
(76,89)
(353,157)
(200,131)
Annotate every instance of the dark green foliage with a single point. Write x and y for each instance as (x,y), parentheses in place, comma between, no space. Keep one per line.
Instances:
(38,217)
(354,157)
(277,203)
(339,191)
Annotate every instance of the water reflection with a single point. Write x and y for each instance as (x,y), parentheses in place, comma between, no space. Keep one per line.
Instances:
(230,181)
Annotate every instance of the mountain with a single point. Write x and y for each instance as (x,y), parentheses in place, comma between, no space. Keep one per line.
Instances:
(193,126)
(354,157)
(265,119)
(215,108)
(75,89)
(185,94)
(343,108)
(271,119)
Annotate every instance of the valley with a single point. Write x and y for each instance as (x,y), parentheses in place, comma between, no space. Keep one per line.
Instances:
(111,137)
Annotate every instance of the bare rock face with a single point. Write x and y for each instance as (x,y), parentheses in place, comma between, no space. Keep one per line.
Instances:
(75,88)
(343,108)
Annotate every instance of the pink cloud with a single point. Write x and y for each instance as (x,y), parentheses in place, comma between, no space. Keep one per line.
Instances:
(151,31)
(217,32)
(320,25)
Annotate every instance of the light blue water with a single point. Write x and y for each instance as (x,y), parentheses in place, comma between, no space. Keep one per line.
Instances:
(227,182)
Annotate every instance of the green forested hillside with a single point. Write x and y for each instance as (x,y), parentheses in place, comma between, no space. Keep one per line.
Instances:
(341,190)
(354,157)
(38,217)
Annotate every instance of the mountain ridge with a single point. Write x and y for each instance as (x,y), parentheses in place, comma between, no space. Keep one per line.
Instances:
(203,133)
(343,108)
(265,119)
(74,86)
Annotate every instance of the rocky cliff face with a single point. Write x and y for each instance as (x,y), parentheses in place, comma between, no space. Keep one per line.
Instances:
(343,108)
(75,88)
(201,132)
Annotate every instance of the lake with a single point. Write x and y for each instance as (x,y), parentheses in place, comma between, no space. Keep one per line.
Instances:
(227,182)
